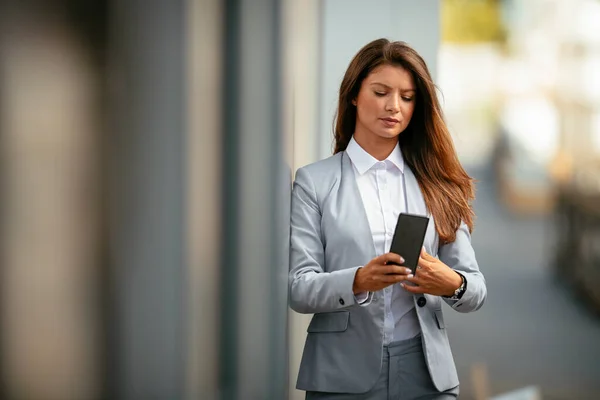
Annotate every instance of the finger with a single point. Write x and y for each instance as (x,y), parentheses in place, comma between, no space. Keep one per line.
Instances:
(413,289)
(425,255)
(393,269)
(393,258)
(393,278)
(415,279)
(423,263)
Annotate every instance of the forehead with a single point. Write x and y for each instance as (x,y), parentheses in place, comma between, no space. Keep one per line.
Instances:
(394,76)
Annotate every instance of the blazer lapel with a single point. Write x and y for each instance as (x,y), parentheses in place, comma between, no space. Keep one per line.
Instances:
(352,209)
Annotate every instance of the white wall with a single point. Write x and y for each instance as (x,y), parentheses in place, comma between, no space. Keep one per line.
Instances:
(302,27)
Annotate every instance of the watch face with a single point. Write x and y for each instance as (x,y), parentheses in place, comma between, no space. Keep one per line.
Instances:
(459,292)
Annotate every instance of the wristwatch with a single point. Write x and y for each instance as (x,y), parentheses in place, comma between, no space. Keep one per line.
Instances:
(458,293)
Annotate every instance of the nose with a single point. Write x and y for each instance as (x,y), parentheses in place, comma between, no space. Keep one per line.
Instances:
(393,104)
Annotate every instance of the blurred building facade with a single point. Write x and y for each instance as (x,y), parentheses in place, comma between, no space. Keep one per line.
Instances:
(146,175)
(148,151)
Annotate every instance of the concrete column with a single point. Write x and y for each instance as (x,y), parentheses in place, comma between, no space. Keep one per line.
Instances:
(256,198)
(147,211)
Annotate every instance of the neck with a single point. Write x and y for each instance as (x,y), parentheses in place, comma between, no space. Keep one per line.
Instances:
(380,148)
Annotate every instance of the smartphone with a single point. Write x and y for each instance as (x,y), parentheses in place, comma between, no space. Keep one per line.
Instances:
(409,237)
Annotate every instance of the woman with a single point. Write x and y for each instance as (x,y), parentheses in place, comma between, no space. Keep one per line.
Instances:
(378,331)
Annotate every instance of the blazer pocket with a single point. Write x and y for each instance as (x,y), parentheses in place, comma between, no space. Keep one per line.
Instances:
(439,317)
(329,322)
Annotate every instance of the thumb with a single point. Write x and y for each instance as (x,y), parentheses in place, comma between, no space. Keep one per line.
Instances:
(426,256)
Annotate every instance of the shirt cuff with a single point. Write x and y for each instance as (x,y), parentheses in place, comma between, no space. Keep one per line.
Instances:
(361,297)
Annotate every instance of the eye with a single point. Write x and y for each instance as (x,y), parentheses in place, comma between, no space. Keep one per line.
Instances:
(379,94)
(407,99)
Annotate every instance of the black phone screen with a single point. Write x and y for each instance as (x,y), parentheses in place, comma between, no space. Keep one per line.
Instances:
(409,237)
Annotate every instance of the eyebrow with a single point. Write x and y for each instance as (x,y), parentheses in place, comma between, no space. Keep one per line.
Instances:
(388,87)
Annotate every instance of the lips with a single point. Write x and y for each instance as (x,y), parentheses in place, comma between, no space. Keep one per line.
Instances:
(389,122)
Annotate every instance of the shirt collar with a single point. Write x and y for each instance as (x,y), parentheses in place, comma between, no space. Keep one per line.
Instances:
(363,161)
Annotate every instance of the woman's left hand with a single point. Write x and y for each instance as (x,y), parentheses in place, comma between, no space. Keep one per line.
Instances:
(433,277)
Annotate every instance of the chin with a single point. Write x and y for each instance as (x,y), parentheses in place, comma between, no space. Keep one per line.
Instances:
(388,135)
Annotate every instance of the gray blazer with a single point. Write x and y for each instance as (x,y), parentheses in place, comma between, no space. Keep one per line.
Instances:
(330,239)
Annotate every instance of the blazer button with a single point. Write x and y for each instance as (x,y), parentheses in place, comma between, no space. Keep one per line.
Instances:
(421,301)
(342,302)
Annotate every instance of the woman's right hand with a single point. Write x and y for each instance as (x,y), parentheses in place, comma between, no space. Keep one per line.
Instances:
(379,273)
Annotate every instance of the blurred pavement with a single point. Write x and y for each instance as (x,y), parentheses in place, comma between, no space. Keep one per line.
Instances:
(531,331)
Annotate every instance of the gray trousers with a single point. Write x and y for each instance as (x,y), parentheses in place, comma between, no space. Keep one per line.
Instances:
(404,376)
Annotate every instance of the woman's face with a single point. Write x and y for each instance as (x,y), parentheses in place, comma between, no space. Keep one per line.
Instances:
(385,102)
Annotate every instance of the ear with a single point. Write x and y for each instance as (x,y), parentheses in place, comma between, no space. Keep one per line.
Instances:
(354,102)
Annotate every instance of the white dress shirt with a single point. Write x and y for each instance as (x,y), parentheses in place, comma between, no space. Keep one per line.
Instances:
(381,186)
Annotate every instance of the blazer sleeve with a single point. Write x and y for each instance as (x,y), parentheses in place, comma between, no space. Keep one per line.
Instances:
(311,288)
(460,256)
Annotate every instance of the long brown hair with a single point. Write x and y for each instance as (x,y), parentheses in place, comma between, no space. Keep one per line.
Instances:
(426,143)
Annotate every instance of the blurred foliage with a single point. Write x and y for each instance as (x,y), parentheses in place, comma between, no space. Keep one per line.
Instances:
(472,21)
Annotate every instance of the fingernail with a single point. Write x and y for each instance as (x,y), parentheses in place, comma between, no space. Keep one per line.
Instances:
(401,260)
(407,271)
(409,276)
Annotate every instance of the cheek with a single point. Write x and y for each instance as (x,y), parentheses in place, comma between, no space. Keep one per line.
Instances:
(369,109)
